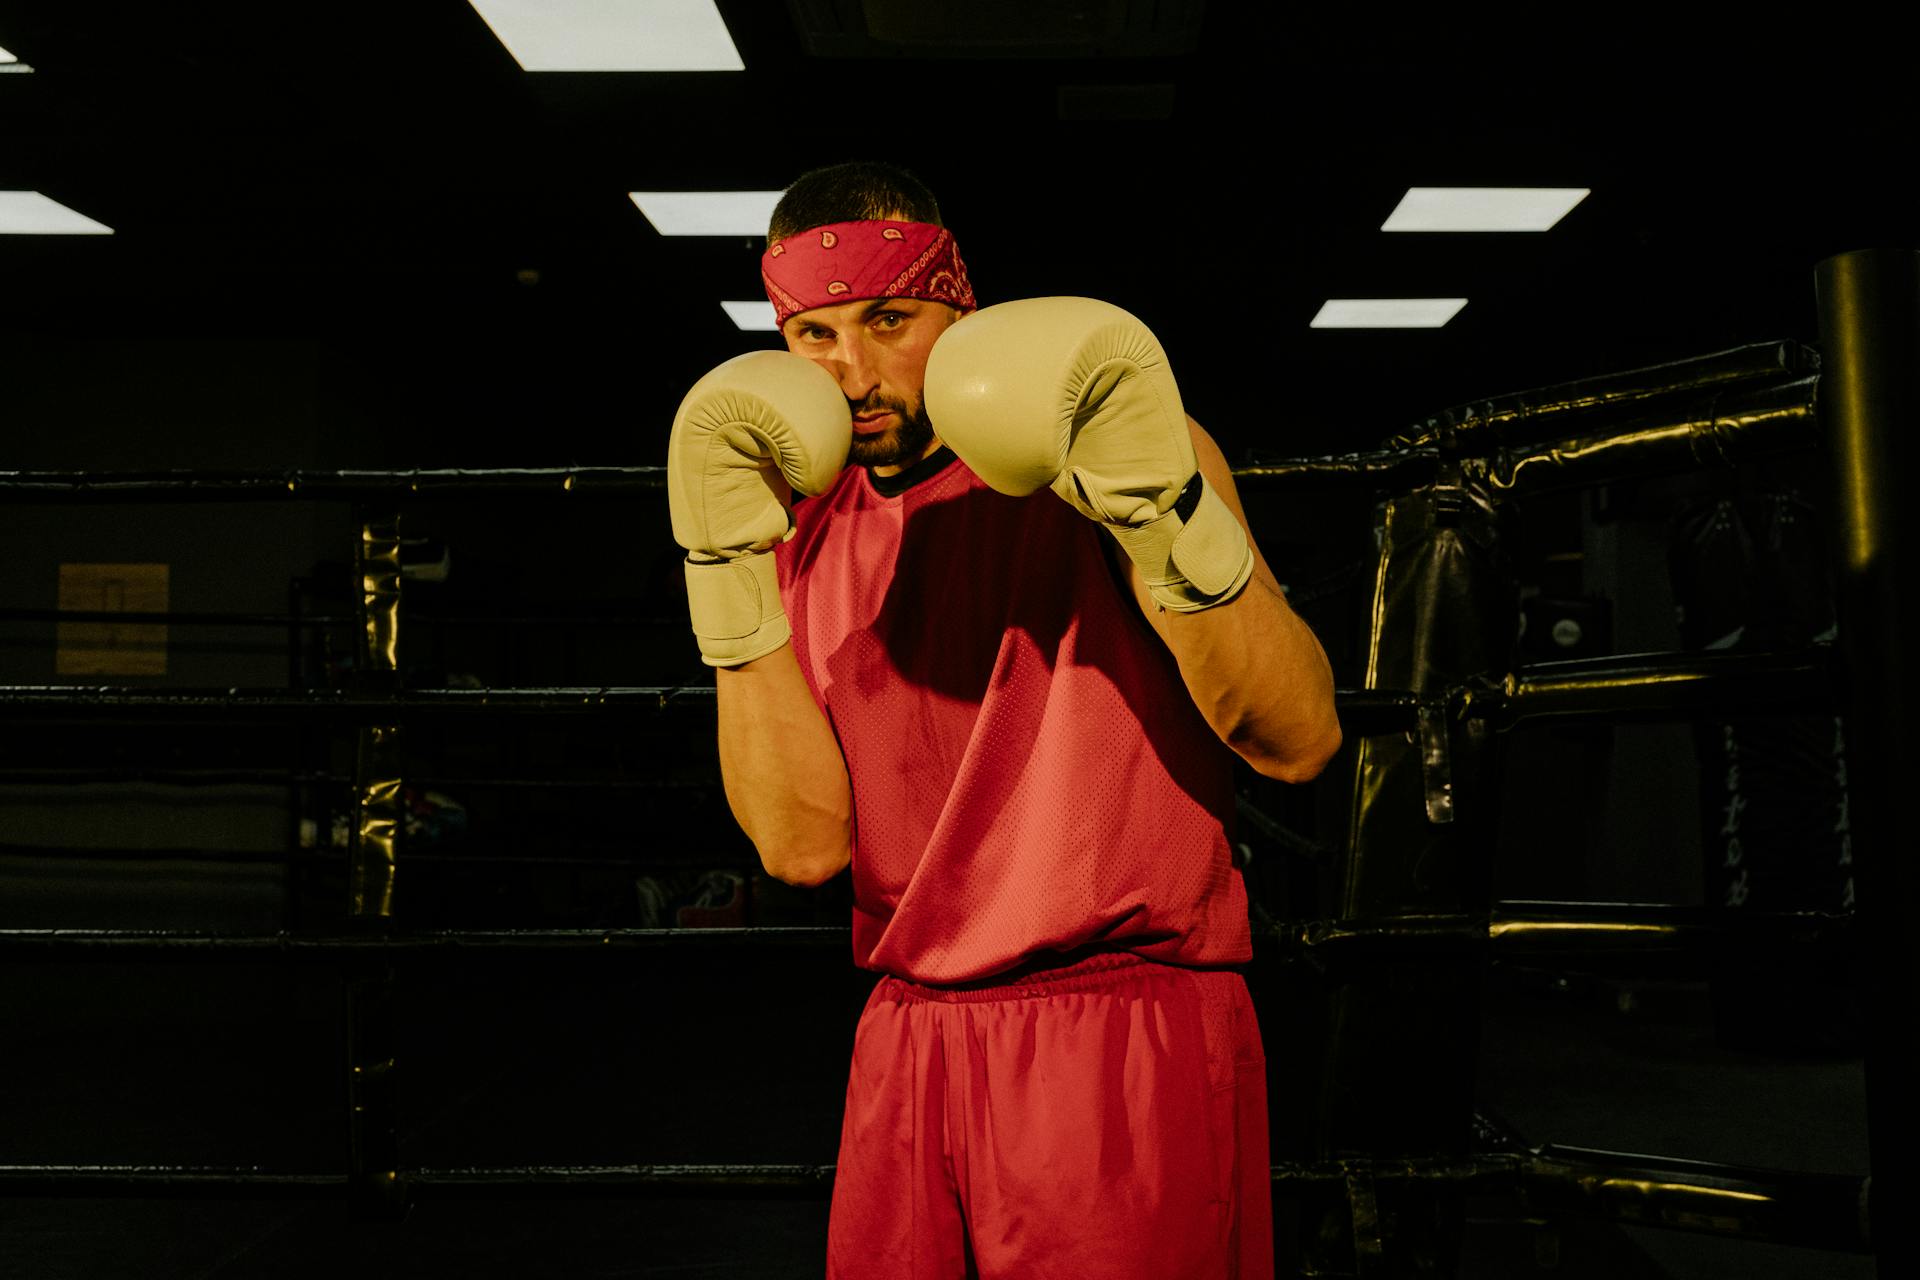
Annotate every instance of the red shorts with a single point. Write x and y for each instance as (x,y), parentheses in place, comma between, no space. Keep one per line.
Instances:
(1101,1121)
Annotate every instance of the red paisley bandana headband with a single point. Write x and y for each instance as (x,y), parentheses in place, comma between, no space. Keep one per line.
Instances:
(848,261)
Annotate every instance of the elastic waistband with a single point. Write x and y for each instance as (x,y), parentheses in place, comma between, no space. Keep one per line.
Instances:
(1031,980)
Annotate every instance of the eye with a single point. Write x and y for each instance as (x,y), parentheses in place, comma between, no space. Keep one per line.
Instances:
(889,320)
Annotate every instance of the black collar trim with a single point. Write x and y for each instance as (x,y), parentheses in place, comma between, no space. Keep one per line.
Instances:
(925,469)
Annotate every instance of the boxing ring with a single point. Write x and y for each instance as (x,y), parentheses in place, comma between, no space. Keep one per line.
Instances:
(1385,984)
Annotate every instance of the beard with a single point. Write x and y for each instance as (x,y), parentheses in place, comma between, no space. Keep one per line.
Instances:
(903,443)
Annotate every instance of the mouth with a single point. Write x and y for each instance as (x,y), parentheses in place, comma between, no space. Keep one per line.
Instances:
(866,424)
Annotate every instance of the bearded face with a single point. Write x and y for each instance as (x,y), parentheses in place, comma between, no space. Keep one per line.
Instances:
(902,441)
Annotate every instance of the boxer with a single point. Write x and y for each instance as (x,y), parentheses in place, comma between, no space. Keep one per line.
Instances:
(1012,715)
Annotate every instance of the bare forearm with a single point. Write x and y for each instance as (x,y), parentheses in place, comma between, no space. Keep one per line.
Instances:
(1252,666)
(785,779)
(1259,676)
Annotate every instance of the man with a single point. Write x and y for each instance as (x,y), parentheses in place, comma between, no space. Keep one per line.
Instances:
(1006,712)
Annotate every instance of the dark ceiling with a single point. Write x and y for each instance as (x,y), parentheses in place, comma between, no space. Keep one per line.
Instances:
(375,178)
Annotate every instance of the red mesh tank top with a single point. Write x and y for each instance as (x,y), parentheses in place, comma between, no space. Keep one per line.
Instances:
(1029,772)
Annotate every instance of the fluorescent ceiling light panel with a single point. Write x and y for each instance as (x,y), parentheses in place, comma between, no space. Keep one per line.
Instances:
(1387,313)
(1483,208)
(754,317)
(7,57)
(707,213)
(28,213)
(612,35)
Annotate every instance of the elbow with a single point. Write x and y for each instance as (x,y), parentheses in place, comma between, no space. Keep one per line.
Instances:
(1298,761)
(806,870)
(802,846)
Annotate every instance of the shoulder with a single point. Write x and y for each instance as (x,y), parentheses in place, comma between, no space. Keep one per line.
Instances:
(814,516)
(834,497)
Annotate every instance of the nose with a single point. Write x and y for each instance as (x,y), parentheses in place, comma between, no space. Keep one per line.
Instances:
(853,366)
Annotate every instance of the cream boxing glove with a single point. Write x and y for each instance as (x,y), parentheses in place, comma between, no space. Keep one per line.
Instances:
(747,434)
(1076,394)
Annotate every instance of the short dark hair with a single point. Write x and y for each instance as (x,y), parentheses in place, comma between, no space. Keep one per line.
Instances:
(852,192)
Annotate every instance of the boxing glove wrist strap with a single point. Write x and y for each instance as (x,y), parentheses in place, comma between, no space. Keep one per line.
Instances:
(1193,557)
(736,609)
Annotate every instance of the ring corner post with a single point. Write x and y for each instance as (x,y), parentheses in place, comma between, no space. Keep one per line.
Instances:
(1869,404)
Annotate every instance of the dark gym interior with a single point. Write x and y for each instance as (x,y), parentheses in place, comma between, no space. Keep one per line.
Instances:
(365,398)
